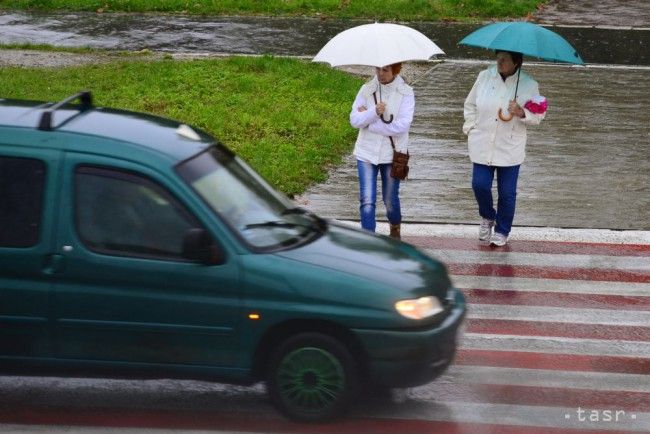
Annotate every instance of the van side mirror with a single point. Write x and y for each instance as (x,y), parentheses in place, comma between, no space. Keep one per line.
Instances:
(199,246)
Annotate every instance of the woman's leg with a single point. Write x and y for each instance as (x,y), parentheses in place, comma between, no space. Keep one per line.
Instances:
(367,194)
(390,195)
(507,189)
(482,178)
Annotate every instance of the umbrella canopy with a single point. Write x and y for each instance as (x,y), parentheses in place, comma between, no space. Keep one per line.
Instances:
(526,38)
(378,44)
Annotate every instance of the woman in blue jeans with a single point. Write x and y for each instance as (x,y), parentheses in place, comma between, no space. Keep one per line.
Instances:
(383,112)
(495,125)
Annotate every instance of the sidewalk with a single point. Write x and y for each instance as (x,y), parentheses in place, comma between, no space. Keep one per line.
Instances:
(587,164)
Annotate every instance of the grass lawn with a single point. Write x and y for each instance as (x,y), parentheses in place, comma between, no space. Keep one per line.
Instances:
(390,10)
(287,118)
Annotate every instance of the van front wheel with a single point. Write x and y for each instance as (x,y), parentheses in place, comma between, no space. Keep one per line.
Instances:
(312,377)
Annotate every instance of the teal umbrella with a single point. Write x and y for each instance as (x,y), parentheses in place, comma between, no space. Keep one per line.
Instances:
(526,38)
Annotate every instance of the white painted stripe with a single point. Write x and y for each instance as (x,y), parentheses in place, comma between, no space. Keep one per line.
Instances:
(555,345)
(525,284)
(429,407)
(560,315)
(554,260)
(600,381)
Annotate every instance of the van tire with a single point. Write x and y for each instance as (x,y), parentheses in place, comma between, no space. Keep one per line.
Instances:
(312,377)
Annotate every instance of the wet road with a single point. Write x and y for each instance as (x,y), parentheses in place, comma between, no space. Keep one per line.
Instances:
(557,333)
(278,36)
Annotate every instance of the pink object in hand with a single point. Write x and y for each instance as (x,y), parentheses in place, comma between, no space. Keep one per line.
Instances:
(537,105)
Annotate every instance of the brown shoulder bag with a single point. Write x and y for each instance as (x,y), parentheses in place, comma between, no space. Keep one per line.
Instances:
(400,166)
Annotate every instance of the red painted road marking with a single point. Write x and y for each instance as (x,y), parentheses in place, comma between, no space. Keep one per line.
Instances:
(556,299)
(548,273)
(532,246)
(561,362)
(570,330)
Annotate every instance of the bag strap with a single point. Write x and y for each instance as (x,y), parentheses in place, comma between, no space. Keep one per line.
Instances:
(392,143)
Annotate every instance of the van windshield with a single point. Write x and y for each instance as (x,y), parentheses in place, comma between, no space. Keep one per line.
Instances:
(264,218)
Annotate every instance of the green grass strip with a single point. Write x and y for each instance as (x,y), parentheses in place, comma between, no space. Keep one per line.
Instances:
(425,10)
(287,118)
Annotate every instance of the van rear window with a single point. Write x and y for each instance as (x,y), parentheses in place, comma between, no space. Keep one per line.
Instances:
(22,181)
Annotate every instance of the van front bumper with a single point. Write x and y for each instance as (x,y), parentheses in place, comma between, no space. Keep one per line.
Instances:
(407,358)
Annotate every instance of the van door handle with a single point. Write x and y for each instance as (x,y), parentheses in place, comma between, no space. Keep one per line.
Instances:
(53,264)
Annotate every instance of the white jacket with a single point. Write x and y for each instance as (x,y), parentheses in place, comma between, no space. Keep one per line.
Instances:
(373,144)
(492,141)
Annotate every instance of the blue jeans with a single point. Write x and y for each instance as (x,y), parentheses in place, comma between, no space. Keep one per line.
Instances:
(482,177)
(368,194)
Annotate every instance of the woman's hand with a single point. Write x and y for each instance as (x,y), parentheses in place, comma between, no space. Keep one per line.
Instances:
(516,109)
(362,108)
(380,108)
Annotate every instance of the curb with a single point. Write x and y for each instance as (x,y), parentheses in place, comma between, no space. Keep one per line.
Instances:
(607,236)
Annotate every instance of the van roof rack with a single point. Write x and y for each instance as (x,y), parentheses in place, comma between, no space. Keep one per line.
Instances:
(85,99)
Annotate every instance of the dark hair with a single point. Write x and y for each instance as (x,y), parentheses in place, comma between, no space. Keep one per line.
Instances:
(517,58)
(396,68)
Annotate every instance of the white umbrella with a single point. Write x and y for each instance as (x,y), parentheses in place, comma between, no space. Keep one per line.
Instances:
(378,44)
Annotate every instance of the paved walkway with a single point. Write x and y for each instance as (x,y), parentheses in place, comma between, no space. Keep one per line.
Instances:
(586,162)
(619,13)
(569,178)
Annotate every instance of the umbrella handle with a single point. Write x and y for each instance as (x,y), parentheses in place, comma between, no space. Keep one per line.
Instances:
(503,117)
(374,95)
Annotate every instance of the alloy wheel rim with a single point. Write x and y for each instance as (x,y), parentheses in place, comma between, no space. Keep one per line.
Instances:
(310,379)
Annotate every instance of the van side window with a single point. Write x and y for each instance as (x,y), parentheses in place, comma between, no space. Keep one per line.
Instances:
(128,215)
(22,181)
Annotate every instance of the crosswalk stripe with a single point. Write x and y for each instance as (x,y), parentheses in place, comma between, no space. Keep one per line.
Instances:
(538,395)
(556,299)
(505,270)
(542,259)
(538,328)
(556,345)
(553,361)
(569,286)
(468,374)
(560,315)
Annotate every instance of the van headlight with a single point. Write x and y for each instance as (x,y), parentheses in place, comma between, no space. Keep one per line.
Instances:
(419,308)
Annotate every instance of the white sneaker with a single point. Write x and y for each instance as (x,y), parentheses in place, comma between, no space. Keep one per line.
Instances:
(498,239)
(485,231)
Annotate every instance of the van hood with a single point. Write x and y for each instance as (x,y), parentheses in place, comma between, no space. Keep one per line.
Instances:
(376,258)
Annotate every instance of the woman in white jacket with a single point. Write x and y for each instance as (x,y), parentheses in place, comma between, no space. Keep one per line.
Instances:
(495,125)
(383,112)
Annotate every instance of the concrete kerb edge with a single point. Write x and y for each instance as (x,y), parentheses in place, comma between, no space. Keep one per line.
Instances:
(607,236)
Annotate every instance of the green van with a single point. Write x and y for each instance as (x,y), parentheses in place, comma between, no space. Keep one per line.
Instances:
(137,246)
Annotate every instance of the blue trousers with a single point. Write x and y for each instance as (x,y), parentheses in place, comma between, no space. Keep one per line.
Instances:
(482,178)
(368,194)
